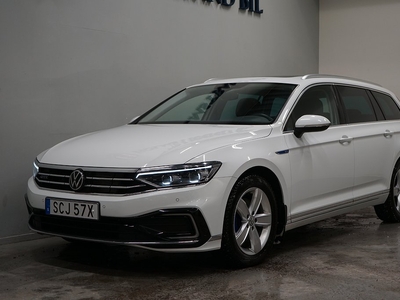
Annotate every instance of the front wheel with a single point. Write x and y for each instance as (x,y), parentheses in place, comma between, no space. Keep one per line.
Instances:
(390,210)
(250,222)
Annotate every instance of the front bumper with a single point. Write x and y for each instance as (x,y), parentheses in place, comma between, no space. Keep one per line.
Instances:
(170,228)
(176,220)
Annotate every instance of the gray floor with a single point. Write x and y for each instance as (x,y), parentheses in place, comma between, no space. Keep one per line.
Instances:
(353,256)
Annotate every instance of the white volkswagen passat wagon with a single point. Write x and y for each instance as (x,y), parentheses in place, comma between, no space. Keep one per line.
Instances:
(227,164)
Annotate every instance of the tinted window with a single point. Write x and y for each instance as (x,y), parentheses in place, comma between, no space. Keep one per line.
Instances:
(318,100)
(193,109)
(357,104)
(389,108)
(233,103)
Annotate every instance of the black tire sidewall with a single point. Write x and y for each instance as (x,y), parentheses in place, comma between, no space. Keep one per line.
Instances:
(387,211)
(391,202)
(231,250)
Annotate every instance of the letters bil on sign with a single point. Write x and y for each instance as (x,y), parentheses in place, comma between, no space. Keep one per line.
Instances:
(250,5)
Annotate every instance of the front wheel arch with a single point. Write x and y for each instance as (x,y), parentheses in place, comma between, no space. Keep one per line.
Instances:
(250,222)
(270,177)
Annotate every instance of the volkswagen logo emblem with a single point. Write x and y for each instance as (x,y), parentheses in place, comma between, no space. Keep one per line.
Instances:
(76,180)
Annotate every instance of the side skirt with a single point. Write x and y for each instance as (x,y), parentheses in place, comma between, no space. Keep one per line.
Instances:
(302,219)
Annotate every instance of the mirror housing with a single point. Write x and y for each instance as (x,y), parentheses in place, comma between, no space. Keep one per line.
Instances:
(310,123)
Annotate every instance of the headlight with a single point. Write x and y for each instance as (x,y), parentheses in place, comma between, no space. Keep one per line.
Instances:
(35,169)
(178,175)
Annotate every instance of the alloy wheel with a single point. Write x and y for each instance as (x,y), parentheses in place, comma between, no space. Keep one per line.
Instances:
(252,221)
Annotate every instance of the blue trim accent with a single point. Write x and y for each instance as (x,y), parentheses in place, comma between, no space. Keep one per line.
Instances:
(47,206)
(282,152)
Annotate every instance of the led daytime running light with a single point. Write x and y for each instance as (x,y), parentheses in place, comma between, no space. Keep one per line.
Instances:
(178,175)
(173,171)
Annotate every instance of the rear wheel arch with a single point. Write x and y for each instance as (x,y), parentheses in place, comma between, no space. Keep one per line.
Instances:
(390,210)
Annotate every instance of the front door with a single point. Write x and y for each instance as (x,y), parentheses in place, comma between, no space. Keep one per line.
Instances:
(322,163)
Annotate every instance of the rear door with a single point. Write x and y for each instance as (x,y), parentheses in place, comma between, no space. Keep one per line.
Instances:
(373,139)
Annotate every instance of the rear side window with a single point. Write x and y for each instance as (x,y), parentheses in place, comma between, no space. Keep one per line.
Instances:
(357,105)
(389,108)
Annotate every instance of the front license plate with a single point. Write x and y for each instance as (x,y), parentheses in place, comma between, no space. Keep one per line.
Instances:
(74,209)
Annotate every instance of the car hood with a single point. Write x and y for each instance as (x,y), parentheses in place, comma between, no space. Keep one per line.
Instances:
(133,146)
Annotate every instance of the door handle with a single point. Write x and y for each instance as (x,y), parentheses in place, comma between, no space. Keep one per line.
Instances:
(345,140)
(388,134)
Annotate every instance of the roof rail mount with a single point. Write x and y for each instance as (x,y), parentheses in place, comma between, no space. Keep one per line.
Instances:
(311,76)
(212,79)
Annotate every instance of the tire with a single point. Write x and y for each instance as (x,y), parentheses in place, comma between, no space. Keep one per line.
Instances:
(79,242)
(250,222)
(390,210)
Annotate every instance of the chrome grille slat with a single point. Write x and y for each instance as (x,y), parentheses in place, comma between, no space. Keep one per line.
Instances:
(54,175)
(53,182)
(97,181)
(115,187)
(99,178)
(97,186)
(107,178)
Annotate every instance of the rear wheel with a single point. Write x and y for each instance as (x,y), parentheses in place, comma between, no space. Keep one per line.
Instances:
(250,222)
(390,210)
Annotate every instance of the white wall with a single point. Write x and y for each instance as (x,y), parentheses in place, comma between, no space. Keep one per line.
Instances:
(361,38)
(74,66)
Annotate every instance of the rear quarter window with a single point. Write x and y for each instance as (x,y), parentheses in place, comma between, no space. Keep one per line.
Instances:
(388,106)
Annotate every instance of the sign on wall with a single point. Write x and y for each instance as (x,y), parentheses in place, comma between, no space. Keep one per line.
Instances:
(250,5)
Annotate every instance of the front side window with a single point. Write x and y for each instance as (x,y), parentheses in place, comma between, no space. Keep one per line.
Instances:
(357,105)
(235,103)
(318,100)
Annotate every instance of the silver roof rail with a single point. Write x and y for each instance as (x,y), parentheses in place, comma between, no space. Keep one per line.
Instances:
(212,79)
(311,76)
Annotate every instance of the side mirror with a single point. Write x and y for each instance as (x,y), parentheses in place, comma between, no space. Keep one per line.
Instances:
(310,123)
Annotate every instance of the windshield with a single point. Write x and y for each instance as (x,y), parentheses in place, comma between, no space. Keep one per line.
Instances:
(235,103)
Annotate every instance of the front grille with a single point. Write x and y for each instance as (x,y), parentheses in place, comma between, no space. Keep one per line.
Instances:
(96,181)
